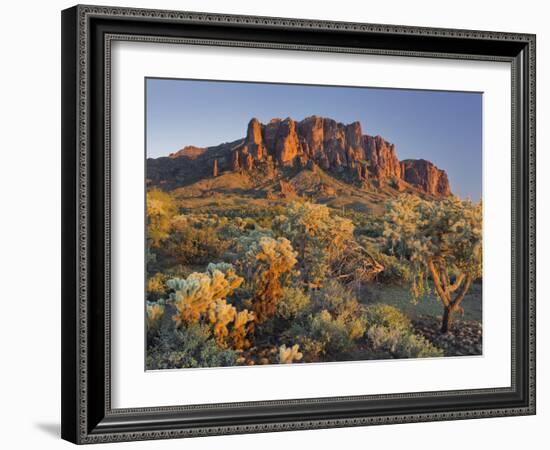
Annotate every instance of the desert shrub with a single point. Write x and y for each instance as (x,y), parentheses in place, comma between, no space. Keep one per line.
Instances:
(320,335)
(331,333)
(194,240)
(161,207)
(190,346)
(414,346)
(262,216)
(395,270)
(333,297)
(154,314)
(382,338)
(311,349)
(387,316)
(343,306)
(293,301)
(390,333)
(269,262)
(400,343)
(330,326)
(319,238)
(156,287)
(371,226)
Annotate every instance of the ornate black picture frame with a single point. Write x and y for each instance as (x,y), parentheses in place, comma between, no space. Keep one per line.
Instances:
(87,34)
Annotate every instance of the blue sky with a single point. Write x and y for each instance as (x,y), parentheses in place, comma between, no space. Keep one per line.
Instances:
(440,126)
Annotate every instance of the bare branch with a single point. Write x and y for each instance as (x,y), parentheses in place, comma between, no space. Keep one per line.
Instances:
(458,281)
(462,293)
(437,283)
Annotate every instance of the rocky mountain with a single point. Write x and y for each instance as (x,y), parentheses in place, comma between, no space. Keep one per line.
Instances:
(310,143)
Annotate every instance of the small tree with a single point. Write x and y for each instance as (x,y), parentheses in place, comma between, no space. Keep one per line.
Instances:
(442,240)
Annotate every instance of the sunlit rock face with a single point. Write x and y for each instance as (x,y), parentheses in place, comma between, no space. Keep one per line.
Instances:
(310,143)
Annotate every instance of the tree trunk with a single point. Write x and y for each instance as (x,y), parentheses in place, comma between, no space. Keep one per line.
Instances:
(447,321)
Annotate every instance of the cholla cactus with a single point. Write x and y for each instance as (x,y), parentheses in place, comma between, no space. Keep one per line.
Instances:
(242,326)
(269,259)
(289,355)
(220,314)
(202,297)
(441,239)
(194,295)
(155,311)
(156,287)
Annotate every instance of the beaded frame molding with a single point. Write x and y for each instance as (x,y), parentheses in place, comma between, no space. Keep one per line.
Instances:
(87,35)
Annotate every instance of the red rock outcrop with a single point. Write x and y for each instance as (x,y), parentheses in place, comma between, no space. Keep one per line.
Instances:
(215,168)
(254,140)
(382,158)
(312,131)
(322,142)
(426,176)
(287,146)
(335,146)
(189,151)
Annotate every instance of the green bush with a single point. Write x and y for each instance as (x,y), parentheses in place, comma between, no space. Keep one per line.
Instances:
(330,333)
(190,346)
(344,307)
(396,271)
(330,326)
(193,243)
(312,350)
(387,316)
(390,332)
(293,302)
(319,236)
(400,343)
(334,297)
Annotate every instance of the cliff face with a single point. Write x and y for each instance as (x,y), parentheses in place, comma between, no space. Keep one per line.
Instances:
(335,146)
(314,141)
(427,176)
(382,158)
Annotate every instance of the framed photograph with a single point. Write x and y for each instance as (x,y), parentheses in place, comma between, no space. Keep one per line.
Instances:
(281,224)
